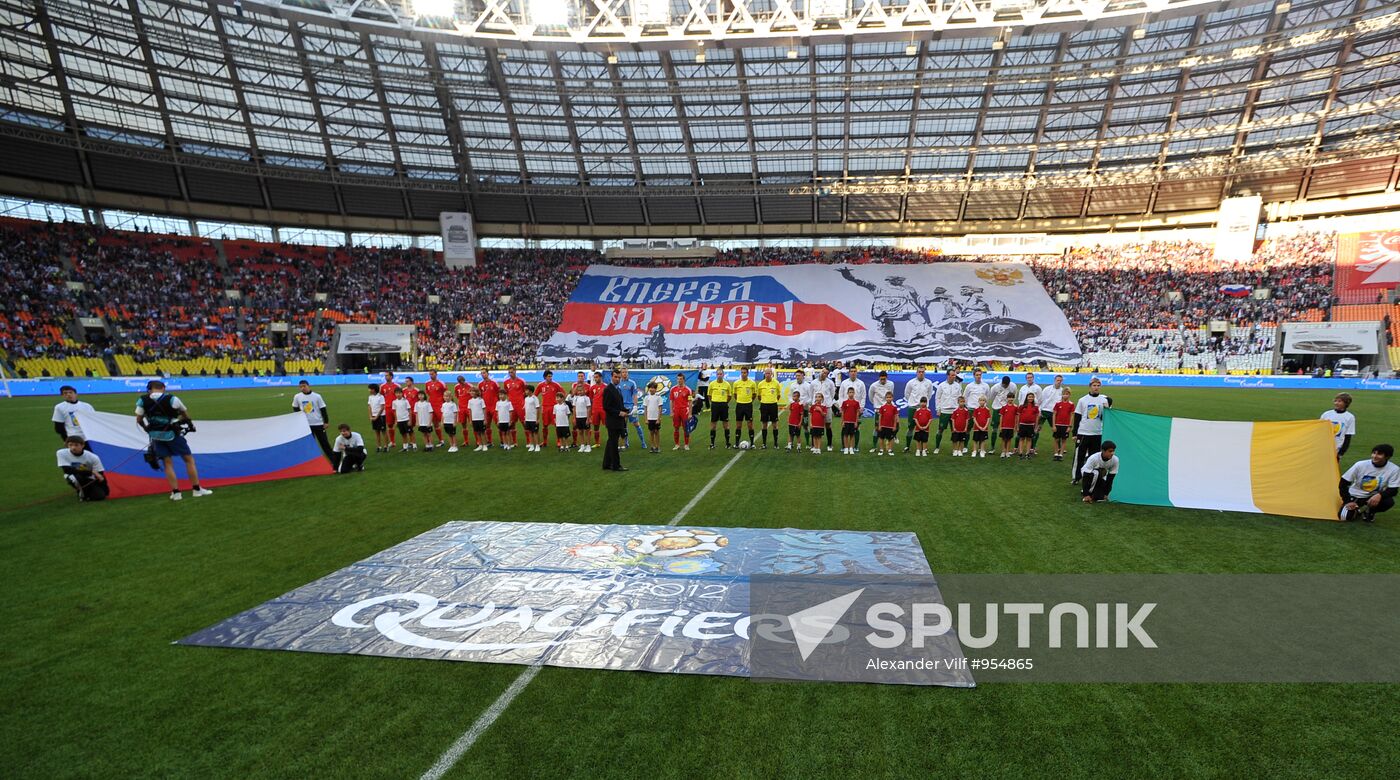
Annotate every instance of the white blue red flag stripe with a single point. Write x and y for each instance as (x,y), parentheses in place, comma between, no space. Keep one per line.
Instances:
(918,312)
(227,452)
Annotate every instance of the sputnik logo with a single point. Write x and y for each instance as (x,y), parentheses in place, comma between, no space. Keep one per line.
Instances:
(813,625)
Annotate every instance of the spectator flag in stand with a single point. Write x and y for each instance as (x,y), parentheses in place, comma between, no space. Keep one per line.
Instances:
(1280,468)
(1236,290)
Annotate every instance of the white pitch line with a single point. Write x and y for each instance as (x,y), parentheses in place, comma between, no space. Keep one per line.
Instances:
(462,744)
(685,510)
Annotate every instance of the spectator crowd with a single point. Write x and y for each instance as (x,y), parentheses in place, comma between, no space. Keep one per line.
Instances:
(175,297)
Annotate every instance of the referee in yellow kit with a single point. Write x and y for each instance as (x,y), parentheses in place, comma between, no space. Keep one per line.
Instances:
(770,392)
(719,393)
(744,391)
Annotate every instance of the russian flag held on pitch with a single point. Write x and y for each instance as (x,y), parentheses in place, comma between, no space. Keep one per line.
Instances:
(1279,468)
(226,452)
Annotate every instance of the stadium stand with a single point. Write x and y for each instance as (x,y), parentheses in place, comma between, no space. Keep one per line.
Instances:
(1135,307)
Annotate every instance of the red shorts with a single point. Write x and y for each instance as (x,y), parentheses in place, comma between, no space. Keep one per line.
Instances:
(597,416)
(680,419)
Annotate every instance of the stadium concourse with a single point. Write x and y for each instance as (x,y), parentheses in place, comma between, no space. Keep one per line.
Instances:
(163,304)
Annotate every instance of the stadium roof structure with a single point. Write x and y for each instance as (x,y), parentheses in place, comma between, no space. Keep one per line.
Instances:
(697,117)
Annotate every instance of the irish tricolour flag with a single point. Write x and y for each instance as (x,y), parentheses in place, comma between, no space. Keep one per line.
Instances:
(1280,468)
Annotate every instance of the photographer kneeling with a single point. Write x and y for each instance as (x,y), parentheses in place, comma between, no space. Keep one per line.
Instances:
(164,418)
(82,470)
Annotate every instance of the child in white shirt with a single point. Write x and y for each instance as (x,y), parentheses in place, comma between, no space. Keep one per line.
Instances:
(476,408)
(503,424)
(423,413)
(449,424)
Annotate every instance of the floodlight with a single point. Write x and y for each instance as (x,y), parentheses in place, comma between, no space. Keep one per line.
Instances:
(792,54)
(549,12)
(612,58)
(911,50)
(434,8)
(1139,33)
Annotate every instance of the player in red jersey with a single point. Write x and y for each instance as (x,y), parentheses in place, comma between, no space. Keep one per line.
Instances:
(962,421)
(818,414)
(490,392)
(462,391)
(549,392)
(514,388)
(1007,428)
(796,413)
(887,420)
(1029,417)
(580,381)
(436,391)
(410,391)
(390,390)
(680,412)
(1061,415)
(981,423)
(850,422)
(515,392)
(921,418)
(598,418)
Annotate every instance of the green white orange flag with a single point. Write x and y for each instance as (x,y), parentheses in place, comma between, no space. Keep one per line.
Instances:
(1280,468)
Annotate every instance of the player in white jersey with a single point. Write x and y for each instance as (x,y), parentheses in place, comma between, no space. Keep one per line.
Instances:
(1049,396)
(1002,393)
(878,391)
(918,389)
(1343,422)
(853,382)
(825,387)
(976,390)
(1031,389)
(945,402)
(802,388)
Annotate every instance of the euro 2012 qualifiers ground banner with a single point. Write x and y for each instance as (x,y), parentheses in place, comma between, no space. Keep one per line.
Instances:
(874,312)
(625,597)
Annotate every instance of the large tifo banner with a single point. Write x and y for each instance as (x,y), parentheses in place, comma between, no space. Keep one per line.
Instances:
(1368,265)
(628,597)
(792,313)
(227,452)
(1280,468)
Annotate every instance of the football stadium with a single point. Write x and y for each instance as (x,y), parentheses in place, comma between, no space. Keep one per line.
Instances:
(590,388)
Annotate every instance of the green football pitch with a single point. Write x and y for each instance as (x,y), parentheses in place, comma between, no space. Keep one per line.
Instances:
(95,594)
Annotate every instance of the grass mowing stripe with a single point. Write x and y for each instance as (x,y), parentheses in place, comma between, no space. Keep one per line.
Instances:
(459,748)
